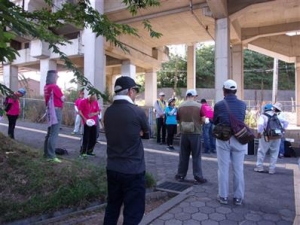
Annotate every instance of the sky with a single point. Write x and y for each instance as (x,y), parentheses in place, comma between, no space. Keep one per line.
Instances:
(63,81)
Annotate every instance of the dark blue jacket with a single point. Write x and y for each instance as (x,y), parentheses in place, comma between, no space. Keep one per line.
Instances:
(123,122)
(236,107)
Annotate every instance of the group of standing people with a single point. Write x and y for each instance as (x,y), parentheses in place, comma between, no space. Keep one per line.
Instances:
(87,110)
(196,119)
(166,123)
(232,151)
(126,125)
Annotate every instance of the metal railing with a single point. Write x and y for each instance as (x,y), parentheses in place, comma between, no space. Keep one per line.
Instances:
(34,110)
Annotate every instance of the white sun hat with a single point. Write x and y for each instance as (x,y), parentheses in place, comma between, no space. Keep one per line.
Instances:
(90,122)
(278,106)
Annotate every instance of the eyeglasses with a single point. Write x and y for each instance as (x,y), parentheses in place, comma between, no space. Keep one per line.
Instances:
(135,89)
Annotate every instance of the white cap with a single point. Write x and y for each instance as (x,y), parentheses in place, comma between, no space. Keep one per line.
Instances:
(278,106)
(90,122)
(230,85)
(161,94)
(191,92)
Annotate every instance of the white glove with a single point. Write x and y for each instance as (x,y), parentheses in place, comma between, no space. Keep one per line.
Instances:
(206,120)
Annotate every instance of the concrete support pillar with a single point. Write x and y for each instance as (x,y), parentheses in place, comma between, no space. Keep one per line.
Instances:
(10,76)
(150,87)
(113,81)
(45,65)
(94,53)
(297,89)
(222,56)
(238,68)
(109,84)
(128,69)
(191,67)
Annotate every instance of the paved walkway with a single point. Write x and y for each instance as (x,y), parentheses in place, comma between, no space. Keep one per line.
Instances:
(269,199)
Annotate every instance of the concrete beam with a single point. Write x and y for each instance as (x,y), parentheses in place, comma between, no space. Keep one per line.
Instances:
(283,47)
(236,32)
(266,6)
(218,8)
(136,56)
(163,13)
(250,34)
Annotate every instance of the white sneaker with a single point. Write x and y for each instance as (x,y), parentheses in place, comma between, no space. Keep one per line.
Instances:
(271,171)
(259,169)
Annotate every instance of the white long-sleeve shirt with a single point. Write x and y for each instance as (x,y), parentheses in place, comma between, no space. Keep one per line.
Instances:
(263,121)
(159,107)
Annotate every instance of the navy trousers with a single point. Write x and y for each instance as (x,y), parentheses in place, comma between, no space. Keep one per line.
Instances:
(127,189)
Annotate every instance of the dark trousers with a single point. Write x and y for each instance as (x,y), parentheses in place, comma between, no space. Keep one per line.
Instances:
(12,119)
(208,138)
(89,139)
(171,129)
(160,129)
(127,189)
(190,144)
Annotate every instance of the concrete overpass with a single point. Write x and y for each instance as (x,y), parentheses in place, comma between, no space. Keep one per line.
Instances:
(260,25)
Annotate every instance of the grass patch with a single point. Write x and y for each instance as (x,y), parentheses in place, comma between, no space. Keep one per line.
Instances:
(31,186)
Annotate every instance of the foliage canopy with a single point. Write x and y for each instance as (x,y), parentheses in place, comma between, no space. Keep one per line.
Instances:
(40,24)
(258,71)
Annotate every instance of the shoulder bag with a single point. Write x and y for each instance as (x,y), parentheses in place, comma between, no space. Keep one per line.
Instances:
(240,130)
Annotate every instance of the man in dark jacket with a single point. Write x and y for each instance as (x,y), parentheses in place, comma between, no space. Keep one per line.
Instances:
(230,150)
(125,126)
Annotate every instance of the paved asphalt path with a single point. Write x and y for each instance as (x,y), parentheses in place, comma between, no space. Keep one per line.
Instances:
(269,199)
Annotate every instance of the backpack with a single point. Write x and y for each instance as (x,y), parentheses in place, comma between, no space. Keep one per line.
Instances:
(274,129)
(5,103)
(61,151)
(289,151)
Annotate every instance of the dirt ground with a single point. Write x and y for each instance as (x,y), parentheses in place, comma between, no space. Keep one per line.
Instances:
(97,216)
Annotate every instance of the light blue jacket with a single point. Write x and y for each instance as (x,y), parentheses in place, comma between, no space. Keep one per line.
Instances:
(171,115)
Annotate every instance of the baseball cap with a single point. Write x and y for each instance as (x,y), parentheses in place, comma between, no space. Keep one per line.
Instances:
(191,92)
(161,94)
(268,107)
(230,85)
(125,82)
(22,91)
(278,106)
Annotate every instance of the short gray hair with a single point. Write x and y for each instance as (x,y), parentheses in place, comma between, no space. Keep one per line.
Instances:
(123,92)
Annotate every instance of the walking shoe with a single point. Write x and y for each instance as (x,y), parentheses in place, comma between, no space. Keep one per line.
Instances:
(56,160)
(91,154)
(179,178)
(83,156)
(200,180)
(172,148)
(73,133)
(271,171)
(169,148)
(259,169)
(237,201)
(222,200)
